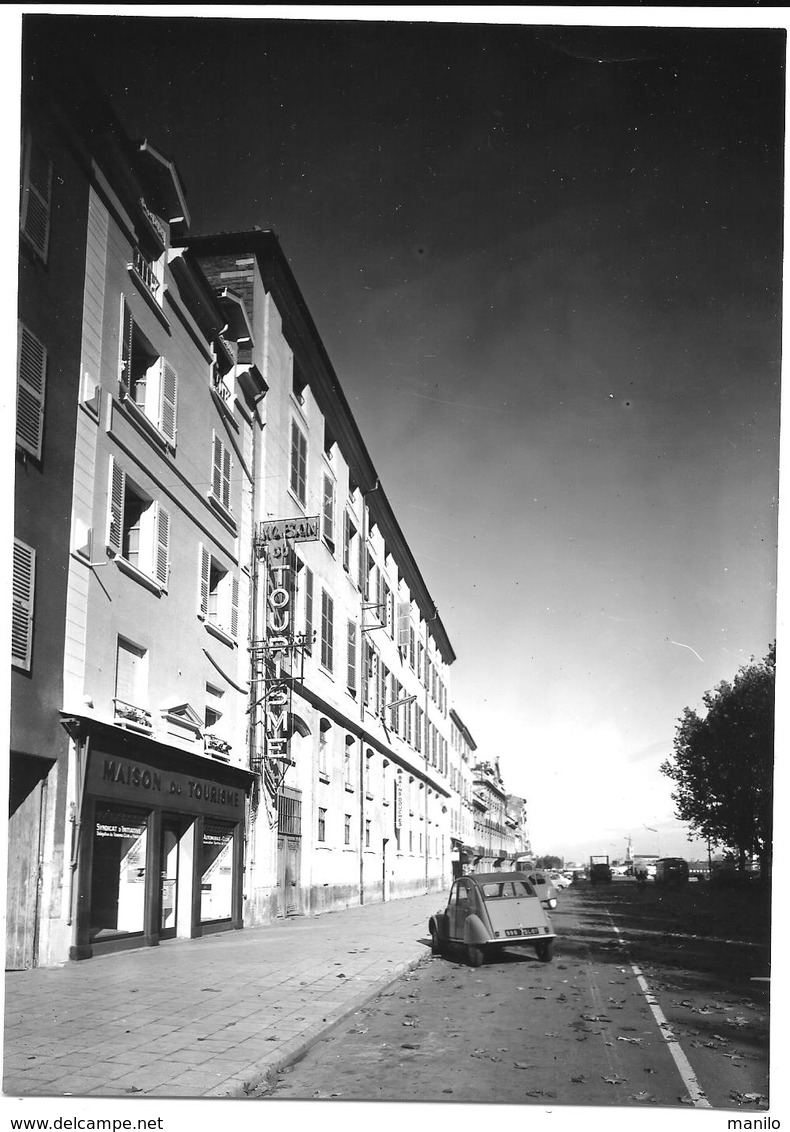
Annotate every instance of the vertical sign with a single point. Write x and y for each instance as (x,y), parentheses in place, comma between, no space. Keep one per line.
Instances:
(281,642)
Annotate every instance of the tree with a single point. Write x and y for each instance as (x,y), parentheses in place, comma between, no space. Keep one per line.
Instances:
(723,763)
(548,862)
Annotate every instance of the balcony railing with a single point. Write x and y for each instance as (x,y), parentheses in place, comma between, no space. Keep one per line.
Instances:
(144,268)
(218,748)
(132,716)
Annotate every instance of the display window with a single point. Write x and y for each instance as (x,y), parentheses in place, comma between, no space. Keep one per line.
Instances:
(216,869)
(117,903)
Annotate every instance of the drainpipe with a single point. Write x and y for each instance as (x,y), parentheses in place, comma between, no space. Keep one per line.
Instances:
(81,750)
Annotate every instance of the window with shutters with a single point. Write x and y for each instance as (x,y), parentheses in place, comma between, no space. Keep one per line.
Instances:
(31,374)
(218,596)
(351,658)
(148,384)
(138,530)
(403,627)
(349,539)
(322,823)
(23,586)
(385,605)
(131,685)
(298,481)
(328,513)
(395,711)
(327,631)
(221,473)
(36,196)
(370,674)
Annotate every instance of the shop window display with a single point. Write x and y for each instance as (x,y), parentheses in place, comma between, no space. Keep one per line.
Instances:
(118,876)
(216,882)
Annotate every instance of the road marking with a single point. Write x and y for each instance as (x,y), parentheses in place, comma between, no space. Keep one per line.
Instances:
(693,1087)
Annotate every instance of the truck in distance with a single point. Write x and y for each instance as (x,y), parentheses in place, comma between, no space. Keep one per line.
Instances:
(600,870)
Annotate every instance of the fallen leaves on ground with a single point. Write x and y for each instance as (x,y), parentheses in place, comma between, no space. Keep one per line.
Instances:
(615,1079)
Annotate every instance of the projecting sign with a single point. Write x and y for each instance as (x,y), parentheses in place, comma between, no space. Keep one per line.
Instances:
(290,530)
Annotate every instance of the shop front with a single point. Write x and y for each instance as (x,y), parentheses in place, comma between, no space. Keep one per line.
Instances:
(160,845)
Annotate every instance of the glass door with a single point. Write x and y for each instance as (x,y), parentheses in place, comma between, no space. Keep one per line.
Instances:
(170,853)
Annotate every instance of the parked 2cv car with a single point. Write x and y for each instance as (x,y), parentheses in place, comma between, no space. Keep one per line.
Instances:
(490,911)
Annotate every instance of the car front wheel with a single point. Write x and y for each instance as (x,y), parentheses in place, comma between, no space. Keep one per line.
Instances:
(545,951)
(436,944)
(475,955)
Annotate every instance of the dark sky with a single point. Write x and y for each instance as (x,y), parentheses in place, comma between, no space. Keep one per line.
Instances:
(546,264)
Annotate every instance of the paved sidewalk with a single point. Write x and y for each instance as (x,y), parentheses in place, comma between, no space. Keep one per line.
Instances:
(212,1017)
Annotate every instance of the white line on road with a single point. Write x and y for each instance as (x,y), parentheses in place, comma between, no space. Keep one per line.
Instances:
(693,1087)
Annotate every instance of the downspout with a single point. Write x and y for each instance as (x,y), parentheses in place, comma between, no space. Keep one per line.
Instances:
(82,750)
(363,557)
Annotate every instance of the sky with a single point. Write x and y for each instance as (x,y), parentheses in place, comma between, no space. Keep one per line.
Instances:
(545,261)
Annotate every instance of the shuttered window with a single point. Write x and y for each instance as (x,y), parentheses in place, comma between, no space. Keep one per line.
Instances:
(31,369)
(23,586)
(308,609)
(221,472)
(145,379)
(327,630)
(218,594)
(328,512)
(298,463)
(138,528)
(351,669)
(36,196)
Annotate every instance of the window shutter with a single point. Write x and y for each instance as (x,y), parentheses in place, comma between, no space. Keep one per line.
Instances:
(167,401)
(329,511)
(23,586)
(31,368)
(216,471)
(351,674)
(125,359)
(161,545)
(403,626)
(36,198)
(205,571)
(227,464)
(117,490)
(308,609)
(234,606)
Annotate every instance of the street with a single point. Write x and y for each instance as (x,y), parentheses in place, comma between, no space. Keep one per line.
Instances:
(655,997)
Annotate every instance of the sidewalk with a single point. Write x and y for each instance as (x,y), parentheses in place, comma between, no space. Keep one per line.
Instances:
(212,1017)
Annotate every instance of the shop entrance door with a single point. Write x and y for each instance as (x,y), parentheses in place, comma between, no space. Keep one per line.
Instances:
(173,829)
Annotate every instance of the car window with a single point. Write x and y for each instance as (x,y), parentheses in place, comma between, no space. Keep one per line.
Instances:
(506,890)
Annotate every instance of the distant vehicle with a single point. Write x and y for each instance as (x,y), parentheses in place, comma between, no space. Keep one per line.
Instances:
(490,911)
(544,887)
(671,870)
(561,880)
(600,870)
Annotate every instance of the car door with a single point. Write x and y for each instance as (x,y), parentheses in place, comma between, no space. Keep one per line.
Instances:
(460,907)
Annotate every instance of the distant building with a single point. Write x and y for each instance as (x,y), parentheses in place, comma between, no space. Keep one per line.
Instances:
(462,821)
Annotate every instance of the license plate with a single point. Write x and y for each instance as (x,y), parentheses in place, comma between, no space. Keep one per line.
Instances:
(521,931)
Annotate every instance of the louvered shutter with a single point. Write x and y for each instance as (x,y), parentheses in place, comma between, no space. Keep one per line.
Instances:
(234,606)
(23,586)
(168,386)
(125,355)
(36,198)
(227,465)
(351,670)
(308,609)
(216,468)
(31,382)
(161,545)
(203,581)
(403,625)
(117,489)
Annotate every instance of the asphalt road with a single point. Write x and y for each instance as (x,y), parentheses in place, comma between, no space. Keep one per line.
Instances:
(653,998)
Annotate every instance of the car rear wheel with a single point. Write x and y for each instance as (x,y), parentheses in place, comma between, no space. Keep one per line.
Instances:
(545,950)
(475,955)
